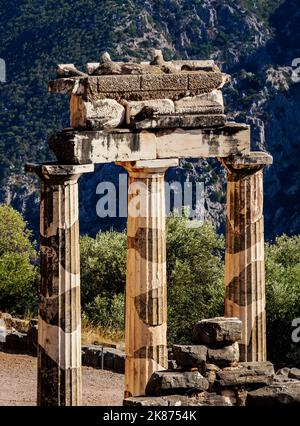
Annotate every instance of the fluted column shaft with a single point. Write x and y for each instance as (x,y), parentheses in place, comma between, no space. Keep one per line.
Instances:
(146,284)
(244,256)
(59,325)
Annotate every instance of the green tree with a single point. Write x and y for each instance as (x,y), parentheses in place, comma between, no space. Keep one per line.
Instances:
(18,276)
(283,299)
(103,276)
(195,276)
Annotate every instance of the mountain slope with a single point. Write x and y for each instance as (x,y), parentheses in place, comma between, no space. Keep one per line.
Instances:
(254,40)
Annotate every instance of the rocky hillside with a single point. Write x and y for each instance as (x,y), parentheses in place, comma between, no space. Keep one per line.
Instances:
(255,41)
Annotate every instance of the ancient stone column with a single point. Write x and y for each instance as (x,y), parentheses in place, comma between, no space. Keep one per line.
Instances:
(146,286)
(244,257)
(59,325)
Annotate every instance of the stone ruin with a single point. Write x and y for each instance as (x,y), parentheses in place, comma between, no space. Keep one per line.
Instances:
(145,117)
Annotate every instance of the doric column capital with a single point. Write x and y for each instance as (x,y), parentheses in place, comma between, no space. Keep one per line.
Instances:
(245,165)
(146,168)
(58,174)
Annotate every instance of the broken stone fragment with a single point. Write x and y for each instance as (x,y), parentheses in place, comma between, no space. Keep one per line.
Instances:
(183,121)
(188,356)
(173,382)
(216,331)
(276,395)
(247,374)
(207,103)
(68,70)
(159,401)
(294,373)
(202,399)
(283,372)
(159,107)
(226,356)
(106,113)
(209,371)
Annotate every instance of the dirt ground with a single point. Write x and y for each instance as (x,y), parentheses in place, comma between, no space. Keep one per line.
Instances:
(18,383)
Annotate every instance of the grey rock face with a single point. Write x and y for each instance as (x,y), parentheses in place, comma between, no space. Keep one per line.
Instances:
(189,356)
(225,356)
(276,395)
(217,330)
(173,382)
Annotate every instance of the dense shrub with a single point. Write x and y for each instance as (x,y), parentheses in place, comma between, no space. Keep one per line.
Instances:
(18,277)
(283,299)
(103,275)
(195,276)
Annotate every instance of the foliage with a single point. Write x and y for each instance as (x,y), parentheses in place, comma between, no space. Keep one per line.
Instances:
(18,277)
(195,276)
(107,311)
(103,265)
(262,8)
(283,298)
(103,272)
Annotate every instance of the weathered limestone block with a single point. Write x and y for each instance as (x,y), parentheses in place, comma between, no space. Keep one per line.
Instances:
(173,382)
(164,82)
(188,356)
(140,87)
(84,147)
(275,395)
(68,70)
(157,401)
(181,121)
(217,331)
(158,106)
(226,356)
(244,254)
(294,373)
(209,371)
(206,82)
(283,372)
(246,374)
(207,103)
(102,114)
(193,143)
(202,399)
